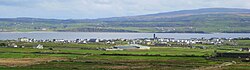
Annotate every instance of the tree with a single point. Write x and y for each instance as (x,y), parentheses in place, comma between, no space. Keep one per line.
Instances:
(3,44)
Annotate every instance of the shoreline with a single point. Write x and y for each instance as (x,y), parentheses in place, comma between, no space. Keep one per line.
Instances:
(124,32)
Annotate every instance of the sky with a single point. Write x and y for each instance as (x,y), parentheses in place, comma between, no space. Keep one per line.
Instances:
(90,9)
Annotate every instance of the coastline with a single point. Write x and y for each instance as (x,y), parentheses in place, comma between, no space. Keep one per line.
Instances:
(121,32)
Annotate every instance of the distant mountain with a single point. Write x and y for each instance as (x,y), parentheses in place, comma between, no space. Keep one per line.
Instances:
(228,20)
(177,14)
(40,20)
(148,17)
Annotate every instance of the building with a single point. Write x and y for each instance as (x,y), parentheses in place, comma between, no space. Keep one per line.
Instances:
(113,49)
(39,46)
(83,42)
(110,42)
(93,40)
(132,46)
(154,36)
(24,39)
(13,45)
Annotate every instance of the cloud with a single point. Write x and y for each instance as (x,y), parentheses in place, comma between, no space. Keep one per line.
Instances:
(105,8)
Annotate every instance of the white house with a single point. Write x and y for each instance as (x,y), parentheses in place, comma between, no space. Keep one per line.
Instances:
(24,39)
(38,46)
(13,45)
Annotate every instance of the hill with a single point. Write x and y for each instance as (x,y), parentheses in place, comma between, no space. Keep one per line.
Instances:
(176,14)
(228,20)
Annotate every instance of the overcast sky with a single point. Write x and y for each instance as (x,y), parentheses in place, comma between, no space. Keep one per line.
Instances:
(81,9)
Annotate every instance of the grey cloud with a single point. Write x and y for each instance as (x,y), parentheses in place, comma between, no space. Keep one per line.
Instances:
(18,3)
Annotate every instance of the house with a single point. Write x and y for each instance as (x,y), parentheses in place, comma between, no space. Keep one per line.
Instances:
(12,45)
(24,39)
(59,40)
(83,42)
(245,49)
(39,46)
(93,40)
(110,42)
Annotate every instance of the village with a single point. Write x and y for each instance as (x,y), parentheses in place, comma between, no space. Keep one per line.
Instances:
(139,43)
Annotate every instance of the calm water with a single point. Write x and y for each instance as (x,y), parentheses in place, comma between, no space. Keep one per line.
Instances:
(104,35)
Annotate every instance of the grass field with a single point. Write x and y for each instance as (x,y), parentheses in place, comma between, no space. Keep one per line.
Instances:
(74,57)
(93,59)
(121,62)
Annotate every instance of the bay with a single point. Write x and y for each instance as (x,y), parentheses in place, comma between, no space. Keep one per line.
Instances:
(110,35)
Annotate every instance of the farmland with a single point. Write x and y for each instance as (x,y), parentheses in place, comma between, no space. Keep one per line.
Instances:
(85,56)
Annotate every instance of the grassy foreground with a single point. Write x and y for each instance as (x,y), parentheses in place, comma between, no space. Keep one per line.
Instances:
(82,57)
(63,59)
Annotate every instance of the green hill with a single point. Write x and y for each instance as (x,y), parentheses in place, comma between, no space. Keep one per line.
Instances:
(207,20)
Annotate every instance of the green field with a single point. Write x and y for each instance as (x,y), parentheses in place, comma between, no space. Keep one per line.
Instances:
(178,58)
(85,56)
